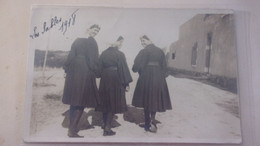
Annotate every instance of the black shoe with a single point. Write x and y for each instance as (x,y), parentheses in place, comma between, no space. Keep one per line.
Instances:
(152,128)
(142,125)
(109,133)
(74,135)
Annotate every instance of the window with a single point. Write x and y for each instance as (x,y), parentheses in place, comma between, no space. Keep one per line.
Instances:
(208,50)
(173,56)
(194,54)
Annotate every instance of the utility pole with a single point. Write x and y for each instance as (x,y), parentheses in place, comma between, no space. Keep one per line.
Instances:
(44,64)
(45,58)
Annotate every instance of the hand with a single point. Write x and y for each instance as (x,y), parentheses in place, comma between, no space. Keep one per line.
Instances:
(127,88)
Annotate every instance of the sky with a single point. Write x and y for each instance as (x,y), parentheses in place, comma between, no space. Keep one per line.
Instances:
(160,25)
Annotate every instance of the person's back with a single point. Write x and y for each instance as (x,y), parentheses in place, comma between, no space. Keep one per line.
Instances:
(80,90)
(154,53)
(151,91)
(109,57)
(115,78)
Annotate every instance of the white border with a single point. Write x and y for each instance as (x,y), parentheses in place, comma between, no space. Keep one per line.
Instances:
(244,83)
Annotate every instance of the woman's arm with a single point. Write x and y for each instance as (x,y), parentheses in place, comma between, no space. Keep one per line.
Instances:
(70,57)
(139,62)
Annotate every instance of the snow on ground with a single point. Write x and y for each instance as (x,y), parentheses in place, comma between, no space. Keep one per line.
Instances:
(201,113)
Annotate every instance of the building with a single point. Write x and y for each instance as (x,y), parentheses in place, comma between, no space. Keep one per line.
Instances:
(206,47)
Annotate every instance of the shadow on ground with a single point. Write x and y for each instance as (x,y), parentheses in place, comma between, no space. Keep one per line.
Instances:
(231,106)
(133,115)
(84,123)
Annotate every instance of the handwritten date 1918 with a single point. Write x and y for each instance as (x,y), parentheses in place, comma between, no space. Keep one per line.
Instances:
(67,23)
(64,25)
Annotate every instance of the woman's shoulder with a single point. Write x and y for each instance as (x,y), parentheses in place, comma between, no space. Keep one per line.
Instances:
(155,48)
(143,52)
(152,46)
(121,53)
(107,51)
(91,38)
(83,39)
(80,39)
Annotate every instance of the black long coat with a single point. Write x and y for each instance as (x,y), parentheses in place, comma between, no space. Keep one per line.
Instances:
(115,76)
(81,66)
(151,91)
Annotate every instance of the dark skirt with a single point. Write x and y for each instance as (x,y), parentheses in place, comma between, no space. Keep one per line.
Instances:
(80,87)
(151,91)
(112,93)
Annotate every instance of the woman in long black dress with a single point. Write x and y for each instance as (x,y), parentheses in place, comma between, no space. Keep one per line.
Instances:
(81,67)
(115,79)
(151,91)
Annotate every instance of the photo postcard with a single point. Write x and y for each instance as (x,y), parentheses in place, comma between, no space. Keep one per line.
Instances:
(132,75)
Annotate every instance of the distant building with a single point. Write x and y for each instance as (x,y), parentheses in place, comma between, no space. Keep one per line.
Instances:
(206,46)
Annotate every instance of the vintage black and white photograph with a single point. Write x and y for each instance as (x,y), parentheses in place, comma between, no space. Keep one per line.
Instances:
(108,74)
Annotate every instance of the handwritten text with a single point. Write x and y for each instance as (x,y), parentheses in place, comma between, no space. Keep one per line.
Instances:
(63,24)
